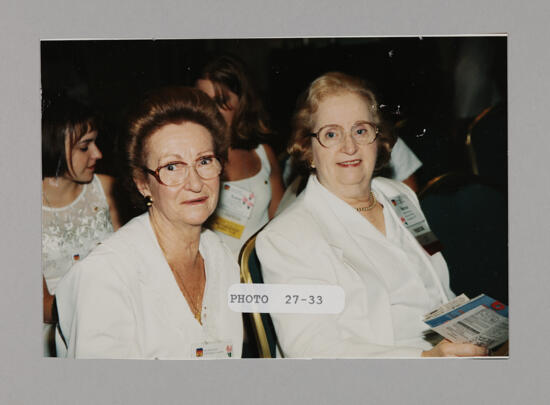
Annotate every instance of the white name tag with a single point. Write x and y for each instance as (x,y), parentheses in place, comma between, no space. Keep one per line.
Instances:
(409,215)
(286,298)
(212,350)
(236,202)
(413,219)
(234,208)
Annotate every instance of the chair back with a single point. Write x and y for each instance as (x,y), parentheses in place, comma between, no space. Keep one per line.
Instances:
(262,325)
(470,218)
(487,147)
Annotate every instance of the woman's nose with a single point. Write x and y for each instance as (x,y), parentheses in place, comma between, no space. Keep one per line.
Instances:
(349,145)
(193,181)
(96,153)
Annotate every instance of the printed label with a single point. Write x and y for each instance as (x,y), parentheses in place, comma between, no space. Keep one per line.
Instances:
(286,298)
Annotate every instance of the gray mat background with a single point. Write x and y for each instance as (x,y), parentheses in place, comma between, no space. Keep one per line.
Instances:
(27,378)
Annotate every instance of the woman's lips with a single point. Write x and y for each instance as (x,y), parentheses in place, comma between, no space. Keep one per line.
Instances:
(196,201)
(350,163)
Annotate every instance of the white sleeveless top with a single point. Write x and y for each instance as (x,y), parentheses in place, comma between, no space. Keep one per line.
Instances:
(258,196)
(69,233)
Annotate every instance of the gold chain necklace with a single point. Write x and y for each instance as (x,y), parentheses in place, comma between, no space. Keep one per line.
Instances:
(193,303)
(371,205)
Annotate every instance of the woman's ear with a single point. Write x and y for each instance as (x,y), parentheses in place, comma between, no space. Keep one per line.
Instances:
(142,186)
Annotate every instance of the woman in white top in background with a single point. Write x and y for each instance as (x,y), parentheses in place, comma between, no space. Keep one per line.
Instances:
(252,184)
(344,230)
(78,210)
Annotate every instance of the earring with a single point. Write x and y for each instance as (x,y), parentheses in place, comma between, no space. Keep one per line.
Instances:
(311,164)
(148,201)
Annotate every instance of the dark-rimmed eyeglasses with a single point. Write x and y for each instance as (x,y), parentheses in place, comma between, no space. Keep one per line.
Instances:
(175,173)
(362,132)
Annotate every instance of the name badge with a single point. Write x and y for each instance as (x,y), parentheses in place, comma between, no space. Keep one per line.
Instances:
(234,208)
(212,350)
(416,224)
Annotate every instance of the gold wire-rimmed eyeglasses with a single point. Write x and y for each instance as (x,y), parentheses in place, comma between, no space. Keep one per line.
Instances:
(363,132)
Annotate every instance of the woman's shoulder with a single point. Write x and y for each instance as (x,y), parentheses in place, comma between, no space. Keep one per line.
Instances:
(215,244)
(266,151)
(215,251)
(101,267)
(106,183)
(390,187)
(295,222)
(129,242)
(106,180)
(118,256)
(133,231)
(212,240)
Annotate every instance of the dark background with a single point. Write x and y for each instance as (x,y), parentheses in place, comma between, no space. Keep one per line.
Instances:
(413,78)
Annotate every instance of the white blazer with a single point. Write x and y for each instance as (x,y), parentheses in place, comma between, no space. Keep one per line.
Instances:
(122,300)
(314,241)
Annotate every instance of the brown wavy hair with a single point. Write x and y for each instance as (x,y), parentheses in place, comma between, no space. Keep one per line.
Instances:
(329,84)
(249,127)
(170,105)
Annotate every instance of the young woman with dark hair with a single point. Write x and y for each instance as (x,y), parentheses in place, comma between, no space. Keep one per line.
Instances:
(78,210)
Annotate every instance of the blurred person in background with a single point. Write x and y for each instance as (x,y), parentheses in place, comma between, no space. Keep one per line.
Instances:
(252,184)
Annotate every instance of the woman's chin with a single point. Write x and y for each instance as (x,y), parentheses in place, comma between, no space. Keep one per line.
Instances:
(353,179)
(83,179)
(196,219)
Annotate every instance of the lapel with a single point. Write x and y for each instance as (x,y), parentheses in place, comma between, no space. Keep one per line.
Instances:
(334,218)
(389,191)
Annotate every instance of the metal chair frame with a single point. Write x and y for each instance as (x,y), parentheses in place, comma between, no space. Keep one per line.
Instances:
(246,277)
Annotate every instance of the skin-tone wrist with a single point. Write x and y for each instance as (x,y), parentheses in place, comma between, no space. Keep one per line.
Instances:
(446,348)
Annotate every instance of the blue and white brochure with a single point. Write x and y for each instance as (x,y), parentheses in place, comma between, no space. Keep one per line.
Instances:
(482,321)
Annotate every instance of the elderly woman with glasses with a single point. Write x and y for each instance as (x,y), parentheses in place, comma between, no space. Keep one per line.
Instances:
(364,234)
(157,288)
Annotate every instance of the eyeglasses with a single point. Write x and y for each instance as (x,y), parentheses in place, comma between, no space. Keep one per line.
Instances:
(175,173)
(363,132)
